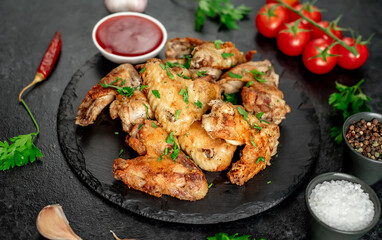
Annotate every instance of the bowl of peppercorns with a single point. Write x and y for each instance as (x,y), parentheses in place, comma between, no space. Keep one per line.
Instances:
(362,135)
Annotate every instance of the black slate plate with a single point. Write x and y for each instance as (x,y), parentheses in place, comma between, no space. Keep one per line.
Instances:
(90,151)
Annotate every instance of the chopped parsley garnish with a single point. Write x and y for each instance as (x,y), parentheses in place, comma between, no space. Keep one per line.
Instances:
(163,154)
(116,133)
(156,93)
(255,126)
(154,125)
(142,87)
(199,104)
(243,113)
(183,76)
(269,182)
(162,66)
(218,43)
(201,73)
(126,91)
(177,112)
(140,126)
(175,148)
(169,74)
(147,111)
(252,142)
(170,139)
(259,115)
(256,74)
(209,186)
(230,98)
(226,55)
(233,75)
(260,159)
(175,153)
(188,58)
(225,236)
(249,84)
(120,152)
(185,94)
(142,70)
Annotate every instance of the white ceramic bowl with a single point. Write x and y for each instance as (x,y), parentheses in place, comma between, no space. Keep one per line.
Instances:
(135,59)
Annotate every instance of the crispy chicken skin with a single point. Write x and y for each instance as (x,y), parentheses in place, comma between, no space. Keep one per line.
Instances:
(99,97)
(254,159)
(260,139)
(225,122)
(233,85)
(131,110)
(208,153)
(155,172)
(207,55)
(267,99)
(180,47)
(170,108)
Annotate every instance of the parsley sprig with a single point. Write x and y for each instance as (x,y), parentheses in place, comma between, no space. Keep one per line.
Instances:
(22,150)
(175,148)
(348,101)
(126,91)
(223,10)
(225,236)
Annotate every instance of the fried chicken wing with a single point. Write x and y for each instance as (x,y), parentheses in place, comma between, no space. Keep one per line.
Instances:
(267,99)
(131,110)
(173,98)
(183,179)
(156,172)
(208,153)
(232,84)
(236,126)
(99,97)
(180,47)
(208,55)
(256,154)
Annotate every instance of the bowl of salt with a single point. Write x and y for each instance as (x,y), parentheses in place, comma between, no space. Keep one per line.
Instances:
(341,207)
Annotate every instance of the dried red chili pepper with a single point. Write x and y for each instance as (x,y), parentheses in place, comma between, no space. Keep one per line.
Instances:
(48,61)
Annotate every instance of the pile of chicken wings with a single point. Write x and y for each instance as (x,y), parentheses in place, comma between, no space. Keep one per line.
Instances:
(177,117)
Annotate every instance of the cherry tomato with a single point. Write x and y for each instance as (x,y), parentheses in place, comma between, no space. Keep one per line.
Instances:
(289,2)
(347,60)
(319,60)
(270,19)
(308,10)
(292,38)
(318,33)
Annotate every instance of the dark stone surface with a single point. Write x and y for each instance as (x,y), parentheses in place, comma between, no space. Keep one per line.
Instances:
(26,29)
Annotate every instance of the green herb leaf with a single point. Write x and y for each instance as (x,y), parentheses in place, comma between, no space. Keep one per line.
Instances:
(126,91)
(116,133)
(120,152)
(170,139)
(184,92)
(140,126)
(218,43)
(269,182)
(226,55)
(260,159)
(147,111)
(19,153)
(183,76)
(177,112)
(156,93)
(154,125)
(162,66)
(142,87)
(225,236)
(175,153)
(249,84)
(259,115)
(142,70)
(243,113)
(230,98)
(252,142)
(233,75)
(199,104)
(210,185)
(162,155)
(201,73)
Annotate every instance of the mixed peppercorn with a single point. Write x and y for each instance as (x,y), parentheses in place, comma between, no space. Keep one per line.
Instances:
(366,138)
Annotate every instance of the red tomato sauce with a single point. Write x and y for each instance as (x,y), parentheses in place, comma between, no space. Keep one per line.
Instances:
(129,35)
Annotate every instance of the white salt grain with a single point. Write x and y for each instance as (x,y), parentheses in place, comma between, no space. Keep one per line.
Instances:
(342,205)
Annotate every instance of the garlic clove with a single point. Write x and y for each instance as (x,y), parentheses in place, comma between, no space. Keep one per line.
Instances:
(52,224)
(126,5)
(117,238)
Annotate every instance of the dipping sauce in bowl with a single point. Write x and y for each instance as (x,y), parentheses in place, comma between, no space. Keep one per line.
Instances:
(129,37)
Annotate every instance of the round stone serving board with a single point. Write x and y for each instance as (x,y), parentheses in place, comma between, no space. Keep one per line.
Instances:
(90,151)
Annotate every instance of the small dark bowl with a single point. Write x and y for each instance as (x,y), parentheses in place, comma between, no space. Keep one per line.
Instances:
(355,163)
(319,230)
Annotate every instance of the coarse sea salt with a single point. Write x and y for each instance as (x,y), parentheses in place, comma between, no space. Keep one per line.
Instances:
(342,205)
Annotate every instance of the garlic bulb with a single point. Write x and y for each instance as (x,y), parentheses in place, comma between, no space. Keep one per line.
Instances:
(52,224)
(126,5)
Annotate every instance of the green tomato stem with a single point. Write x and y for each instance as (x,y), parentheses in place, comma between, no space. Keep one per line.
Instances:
(325,30)
(31,115)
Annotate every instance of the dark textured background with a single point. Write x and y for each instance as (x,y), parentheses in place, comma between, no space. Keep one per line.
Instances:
(26,28)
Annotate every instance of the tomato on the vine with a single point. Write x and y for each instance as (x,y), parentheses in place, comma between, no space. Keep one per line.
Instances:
(318,33)
(289,2)
(348,60)
(292,38)
(318,58)
(308,10)
(270,19)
